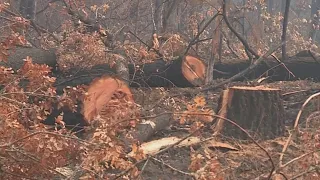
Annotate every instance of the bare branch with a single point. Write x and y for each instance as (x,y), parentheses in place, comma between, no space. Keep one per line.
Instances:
(243,41)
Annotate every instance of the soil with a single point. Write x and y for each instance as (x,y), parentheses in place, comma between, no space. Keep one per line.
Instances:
(249,162)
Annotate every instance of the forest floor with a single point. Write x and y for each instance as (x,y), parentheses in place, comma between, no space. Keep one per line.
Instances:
(245,160)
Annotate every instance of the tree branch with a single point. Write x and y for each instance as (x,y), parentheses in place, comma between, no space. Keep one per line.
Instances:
(243,41)
(192,42)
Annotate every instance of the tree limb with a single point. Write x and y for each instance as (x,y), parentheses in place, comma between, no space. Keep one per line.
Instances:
(243,41)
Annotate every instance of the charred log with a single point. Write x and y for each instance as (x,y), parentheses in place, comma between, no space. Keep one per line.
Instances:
(39,56)
(183,72)
(300,67)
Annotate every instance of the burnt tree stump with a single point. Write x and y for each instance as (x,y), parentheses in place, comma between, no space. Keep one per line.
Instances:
(259,110)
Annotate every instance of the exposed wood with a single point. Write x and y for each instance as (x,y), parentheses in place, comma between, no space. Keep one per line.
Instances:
(99,93)
(160,74)
(176,73)
(182,72)
(259,110)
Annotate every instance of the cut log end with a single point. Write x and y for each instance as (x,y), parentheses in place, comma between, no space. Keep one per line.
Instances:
(259,110)
(100,92)
(194,70)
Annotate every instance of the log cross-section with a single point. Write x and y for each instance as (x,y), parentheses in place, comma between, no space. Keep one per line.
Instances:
(259,110)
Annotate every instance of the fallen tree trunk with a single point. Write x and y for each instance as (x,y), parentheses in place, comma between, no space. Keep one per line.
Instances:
(182,72)
(300,67)
(102,106)
(185,71)
(160,74)
(259,110)
(39,56)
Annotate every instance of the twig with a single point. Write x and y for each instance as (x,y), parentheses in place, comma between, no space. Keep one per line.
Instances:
(313,57)
(295,127)
(157,51)
(294,92)
(229,46)
(297,158)
(243,41)
(303,173)
(143,167)
(33,158)
(252,139)
(16,175)
(244,72)
(191,134)
(159,152)
(283,175)
(281,63)
(173,168)
(192,42)
(43,132)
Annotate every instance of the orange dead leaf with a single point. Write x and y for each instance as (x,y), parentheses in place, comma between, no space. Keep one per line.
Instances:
(200,101)
(59,120)
(138,153)
(156,44)
(105,7)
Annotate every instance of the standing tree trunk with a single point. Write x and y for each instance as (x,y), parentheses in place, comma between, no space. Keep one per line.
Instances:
(27,9)
(157,14)
(284,30)
(270,7)
(283,6)
(214,50)
(259,110)
(243,20)
(315,17)
(168,9)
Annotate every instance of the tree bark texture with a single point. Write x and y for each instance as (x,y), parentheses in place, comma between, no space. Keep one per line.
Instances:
(39,56)
(284,29)
(27,9)
(315,6)
(183,72)
(301,67)
(164,74)
(259,110)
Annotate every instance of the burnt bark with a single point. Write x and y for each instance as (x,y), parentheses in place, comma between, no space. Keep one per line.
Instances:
(284,29)
(315,6)
(302,67)
(179,72)
(259,110)
(164,74)
(39,56)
